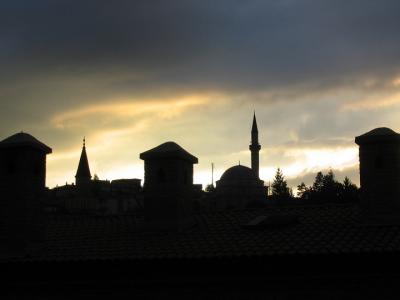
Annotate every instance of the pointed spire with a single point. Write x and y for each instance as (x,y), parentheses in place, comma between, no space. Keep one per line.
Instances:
(254,146)
(254,126)
(83,171)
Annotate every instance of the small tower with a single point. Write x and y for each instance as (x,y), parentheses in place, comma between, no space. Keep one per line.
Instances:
(168,186)
(83,176)
(22,186)
(379,155)
(255,147)
(23,163)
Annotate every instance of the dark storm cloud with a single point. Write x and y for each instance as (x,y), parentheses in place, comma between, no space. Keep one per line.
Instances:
(233,44)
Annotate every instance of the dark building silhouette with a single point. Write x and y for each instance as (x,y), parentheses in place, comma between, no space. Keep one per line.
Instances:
(380,175)
(95,196)
(324,251)
(168,186)
(84,200)
(23,163)
(83,177)
(22,185)
(239,186)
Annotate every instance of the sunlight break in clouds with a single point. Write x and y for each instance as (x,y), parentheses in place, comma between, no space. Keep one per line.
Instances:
(313,161)
(112,131)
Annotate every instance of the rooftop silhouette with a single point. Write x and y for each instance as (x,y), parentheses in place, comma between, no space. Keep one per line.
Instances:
(228,239)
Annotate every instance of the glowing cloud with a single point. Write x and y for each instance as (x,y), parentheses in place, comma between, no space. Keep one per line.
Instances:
(314,160)
(372,104)
(161,108)
(117,131)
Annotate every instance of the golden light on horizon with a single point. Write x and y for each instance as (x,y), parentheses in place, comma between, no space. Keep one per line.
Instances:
(112,129)
(312,161)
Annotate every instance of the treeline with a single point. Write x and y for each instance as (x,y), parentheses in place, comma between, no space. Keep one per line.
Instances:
(325,189)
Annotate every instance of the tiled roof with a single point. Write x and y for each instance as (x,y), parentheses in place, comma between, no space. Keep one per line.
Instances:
(328,229)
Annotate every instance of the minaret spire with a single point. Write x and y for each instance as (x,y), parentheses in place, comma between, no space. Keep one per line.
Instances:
(254,147)
(83,173)
(254,126)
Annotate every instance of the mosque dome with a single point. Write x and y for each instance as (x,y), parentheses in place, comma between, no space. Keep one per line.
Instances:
(239,187)
(237,174)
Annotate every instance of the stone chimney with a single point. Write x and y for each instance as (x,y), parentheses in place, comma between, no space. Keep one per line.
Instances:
(22,185)
(168,187)
(380,176)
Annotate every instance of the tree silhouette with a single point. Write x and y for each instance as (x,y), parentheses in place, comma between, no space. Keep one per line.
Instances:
(303,191)
(318,183)
(280,190)
(326,188)
(349,192)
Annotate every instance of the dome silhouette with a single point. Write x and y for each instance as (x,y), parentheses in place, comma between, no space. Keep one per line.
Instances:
(238,173)
(239,187)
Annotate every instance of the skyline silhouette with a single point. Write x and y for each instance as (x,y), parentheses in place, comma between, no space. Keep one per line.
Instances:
(317,74)
(115,117)
(179,238)
(84,170)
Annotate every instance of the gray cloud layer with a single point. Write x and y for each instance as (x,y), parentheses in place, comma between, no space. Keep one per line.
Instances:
(239,44)
(61,55)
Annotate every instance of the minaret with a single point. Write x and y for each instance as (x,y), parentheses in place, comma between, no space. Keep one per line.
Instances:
(255,147)
(83,177)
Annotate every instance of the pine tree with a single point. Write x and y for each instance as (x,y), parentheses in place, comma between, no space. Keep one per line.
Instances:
(318,182)
(349,191)
(279,186)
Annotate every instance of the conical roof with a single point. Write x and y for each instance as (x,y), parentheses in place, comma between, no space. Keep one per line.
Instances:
(254,126)
(83,167)
(169,150)
(23,139)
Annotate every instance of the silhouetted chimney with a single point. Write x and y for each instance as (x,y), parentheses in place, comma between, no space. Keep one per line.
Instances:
(380,176)
(22,185)
(168,186)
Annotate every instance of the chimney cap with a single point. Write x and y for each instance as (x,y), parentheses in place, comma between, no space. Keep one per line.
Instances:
(22,139)
(381,134)
(169,150)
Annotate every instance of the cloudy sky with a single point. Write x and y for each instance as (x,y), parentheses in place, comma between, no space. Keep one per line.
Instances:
(130,75)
